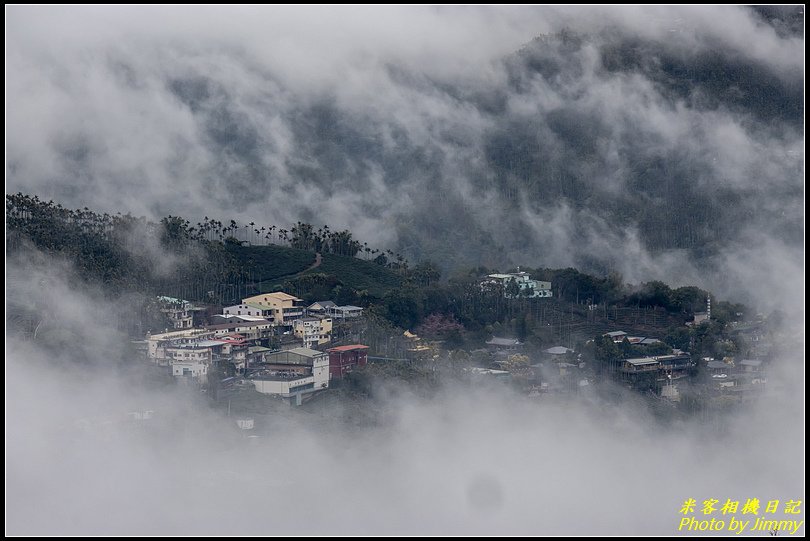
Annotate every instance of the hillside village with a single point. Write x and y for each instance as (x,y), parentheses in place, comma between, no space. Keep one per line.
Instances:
(296,313)
(279,345)
(272,340)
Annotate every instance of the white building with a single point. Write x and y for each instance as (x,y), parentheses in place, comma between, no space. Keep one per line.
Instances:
(178,311)
(489,372)
(194,358)
(344,312)
(190,369)
(245,424)
(293,373)
(230,318)
(201,352)
(320,307)
(250,330)
(329,308)
(157,344)
(528,287)
(249,309)
(558,350)
(508,344)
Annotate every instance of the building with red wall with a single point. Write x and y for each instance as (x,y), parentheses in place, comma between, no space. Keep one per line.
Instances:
(343,359)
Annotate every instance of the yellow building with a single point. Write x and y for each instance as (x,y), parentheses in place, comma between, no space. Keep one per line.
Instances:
(313,330)
(286,308)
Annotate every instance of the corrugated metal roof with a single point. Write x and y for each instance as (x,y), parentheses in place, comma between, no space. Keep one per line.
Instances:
(200,344)
(348,348)
(211,343)
(503,341)
(235,324)
(172,300)
(242,317)
(488,371)
(306,352)
(649,341)
(323,304)
(278,295)
(642,361)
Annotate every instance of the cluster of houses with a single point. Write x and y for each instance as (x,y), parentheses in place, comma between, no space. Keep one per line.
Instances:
(562,369)
(557,368)
(283,348)
(272,339)
(740,378)
(726,377)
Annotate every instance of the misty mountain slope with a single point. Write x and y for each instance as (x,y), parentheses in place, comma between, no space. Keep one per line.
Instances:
(616,166)
(650,143)
(270,262)
(359,274)
(674,188)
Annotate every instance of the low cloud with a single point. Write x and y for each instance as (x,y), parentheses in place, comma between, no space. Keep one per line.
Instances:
(422,129)
(480,460)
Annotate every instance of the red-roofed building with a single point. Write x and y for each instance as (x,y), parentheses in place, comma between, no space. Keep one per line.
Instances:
(343,359)
(233,338)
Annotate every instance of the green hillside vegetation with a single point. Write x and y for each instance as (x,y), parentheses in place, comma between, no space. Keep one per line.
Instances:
(359,274)
(267,263)
(212,261)
(344,279)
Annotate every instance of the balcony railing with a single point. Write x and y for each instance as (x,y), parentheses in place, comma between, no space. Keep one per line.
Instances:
(646,368)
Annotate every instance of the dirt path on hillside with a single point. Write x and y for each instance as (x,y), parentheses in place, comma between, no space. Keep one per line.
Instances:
(315,265)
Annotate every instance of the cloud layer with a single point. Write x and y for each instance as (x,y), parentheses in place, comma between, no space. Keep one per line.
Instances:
(673,133)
